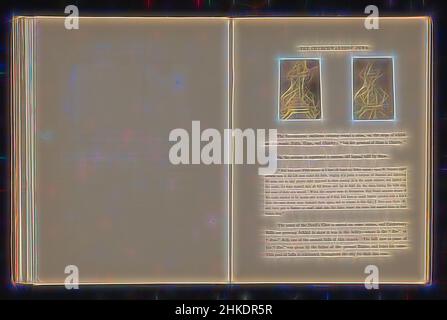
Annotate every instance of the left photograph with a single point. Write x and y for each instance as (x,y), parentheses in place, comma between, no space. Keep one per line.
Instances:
(300,89)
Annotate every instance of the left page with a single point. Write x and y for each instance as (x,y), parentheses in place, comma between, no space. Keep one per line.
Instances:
(105,197)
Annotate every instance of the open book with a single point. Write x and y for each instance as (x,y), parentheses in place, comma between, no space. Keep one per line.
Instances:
(94,188)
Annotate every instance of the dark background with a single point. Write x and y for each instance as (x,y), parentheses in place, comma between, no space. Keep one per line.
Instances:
(436,9)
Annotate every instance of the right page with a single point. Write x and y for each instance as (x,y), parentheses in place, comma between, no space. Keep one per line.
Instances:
(351,195)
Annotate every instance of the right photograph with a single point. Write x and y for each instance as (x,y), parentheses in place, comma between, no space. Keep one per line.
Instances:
(373,88)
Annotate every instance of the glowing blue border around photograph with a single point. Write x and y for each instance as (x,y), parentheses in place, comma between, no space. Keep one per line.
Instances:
(279,87)
(352,87)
